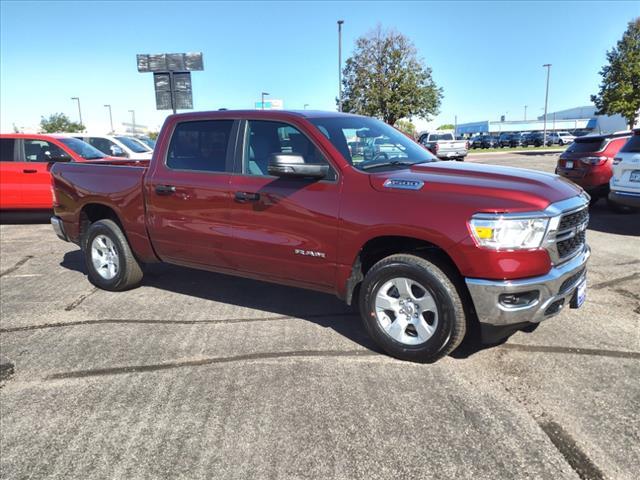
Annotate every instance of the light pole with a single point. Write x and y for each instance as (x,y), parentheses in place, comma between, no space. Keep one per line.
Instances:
(340,22)
(525,112)
(262,102)
(79,110)
(546,99)
(133,121)
(110,117)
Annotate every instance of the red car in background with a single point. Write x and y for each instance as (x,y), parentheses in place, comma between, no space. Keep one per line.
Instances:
(588,162)
(25,162)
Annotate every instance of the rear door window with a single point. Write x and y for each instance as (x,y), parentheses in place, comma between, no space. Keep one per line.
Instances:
(102,144)
(41,151)
(7,146)
(632,145)
(585,145)
(200,146)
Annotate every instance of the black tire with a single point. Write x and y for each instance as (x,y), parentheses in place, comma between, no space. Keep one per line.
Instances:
(451,323)
(129,273)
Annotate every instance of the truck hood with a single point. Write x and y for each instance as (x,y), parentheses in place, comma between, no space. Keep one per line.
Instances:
(489,188)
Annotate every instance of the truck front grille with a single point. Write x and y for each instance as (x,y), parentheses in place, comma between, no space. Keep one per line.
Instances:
(571,234)
(572,245)
(572,220)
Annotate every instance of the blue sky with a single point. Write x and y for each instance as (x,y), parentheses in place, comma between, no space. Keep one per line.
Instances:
(487,56)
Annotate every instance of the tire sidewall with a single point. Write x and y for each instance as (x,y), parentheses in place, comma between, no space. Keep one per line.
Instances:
(101,228)
(444,303)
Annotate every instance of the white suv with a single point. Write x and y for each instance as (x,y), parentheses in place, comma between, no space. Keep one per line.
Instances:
(116,145)
(561,138)
(624,186)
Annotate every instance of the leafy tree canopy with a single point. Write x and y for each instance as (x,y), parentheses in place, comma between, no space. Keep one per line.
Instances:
(59,122)
(407,127)
(384,78)
(620,88)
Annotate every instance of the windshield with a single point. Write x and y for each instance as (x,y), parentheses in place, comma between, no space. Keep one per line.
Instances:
(587,145)
(147,141)
(83,149)
(132,144)
(369,143)
(434,137)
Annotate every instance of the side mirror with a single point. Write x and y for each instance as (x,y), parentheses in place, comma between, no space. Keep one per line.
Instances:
(293,166)
(116,151)
(60,157)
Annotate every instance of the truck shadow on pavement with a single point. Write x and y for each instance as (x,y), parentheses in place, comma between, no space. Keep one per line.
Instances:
(283,302)
(603,219)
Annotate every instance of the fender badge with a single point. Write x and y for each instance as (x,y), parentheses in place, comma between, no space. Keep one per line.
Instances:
(403,184)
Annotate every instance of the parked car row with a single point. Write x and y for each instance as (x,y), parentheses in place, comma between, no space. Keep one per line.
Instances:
(606,166)
(26,161)
(521,139)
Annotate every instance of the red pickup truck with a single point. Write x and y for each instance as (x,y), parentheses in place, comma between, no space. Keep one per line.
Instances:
(25,161)
(426,248)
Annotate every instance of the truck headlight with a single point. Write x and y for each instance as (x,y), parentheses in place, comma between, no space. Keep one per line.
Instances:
(504,233)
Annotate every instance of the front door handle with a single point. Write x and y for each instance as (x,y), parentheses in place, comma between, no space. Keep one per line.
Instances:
(165,189)
(247,197)
(29,170)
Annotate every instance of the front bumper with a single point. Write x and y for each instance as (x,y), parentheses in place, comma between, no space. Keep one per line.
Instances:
(555,290)
(58,227)
(630,199)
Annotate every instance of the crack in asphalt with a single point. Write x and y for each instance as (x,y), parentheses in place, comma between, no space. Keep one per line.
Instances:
(16,266)
(569,449)
(209,361)
(615,281)
(571,350)
(79,300)
(125,321)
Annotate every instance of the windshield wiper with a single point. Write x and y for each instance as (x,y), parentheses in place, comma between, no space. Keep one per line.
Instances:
(390,163)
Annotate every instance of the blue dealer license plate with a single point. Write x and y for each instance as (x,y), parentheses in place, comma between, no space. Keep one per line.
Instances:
(580,295)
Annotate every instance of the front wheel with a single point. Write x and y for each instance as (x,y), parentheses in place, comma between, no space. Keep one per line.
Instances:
(412,309)
(109,259)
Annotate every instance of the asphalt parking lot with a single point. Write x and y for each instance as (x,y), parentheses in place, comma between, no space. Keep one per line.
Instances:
(199,375)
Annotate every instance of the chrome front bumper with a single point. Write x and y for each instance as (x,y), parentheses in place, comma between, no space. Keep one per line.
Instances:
(58,227)
(555,291)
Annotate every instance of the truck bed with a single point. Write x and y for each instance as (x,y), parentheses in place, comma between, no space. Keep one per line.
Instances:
(117,185)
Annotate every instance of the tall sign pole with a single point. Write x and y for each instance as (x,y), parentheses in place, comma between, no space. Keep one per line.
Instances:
(546,100)
(110,117)
(340,22)
(77,99)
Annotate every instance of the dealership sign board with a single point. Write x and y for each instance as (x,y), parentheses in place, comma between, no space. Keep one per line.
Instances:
(171,77)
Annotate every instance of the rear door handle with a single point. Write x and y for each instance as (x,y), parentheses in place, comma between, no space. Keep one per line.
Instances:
(165,189)
(247,197)
(29,170)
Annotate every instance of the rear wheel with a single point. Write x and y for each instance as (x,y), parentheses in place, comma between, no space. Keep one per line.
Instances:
(109,259)
(412,309)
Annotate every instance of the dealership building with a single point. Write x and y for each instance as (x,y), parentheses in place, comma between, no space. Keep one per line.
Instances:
(581,120)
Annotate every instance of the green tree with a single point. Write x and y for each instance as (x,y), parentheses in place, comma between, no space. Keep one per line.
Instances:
(153,135)
(447,126)
(407,127)
(384,78)
(620,87)
(59,122)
